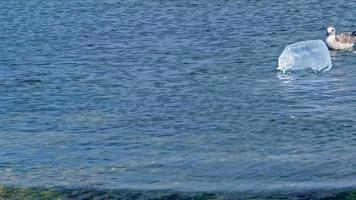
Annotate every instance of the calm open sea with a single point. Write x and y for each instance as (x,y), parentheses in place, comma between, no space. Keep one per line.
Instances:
(179,95)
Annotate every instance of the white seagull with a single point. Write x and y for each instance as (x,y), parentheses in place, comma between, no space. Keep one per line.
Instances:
(342,41)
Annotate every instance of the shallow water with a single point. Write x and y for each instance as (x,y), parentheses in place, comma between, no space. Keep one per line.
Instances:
(179,95)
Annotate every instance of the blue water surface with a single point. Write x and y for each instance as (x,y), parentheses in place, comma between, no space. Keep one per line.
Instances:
(179,95)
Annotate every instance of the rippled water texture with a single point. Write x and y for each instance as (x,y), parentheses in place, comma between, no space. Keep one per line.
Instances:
(179,95)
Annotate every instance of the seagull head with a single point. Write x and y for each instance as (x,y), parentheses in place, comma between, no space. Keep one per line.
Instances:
(330,30)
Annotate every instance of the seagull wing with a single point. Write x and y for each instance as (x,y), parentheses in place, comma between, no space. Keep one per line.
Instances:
(345,38)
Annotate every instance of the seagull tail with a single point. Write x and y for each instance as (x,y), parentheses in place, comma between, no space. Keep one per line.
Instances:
(353,33)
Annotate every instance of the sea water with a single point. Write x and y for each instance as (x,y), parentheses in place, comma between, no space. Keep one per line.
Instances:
(179,95)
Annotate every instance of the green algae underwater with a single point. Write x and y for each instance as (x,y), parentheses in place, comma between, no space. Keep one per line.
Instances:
(41,193)
(38,193)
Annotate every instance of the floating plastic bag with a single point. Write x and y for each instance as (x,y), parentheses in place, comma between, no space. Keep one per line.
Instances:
(312,54)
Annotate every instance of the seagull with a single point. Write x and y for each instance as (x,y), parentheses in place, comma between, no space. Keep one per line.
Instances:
(342,41)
